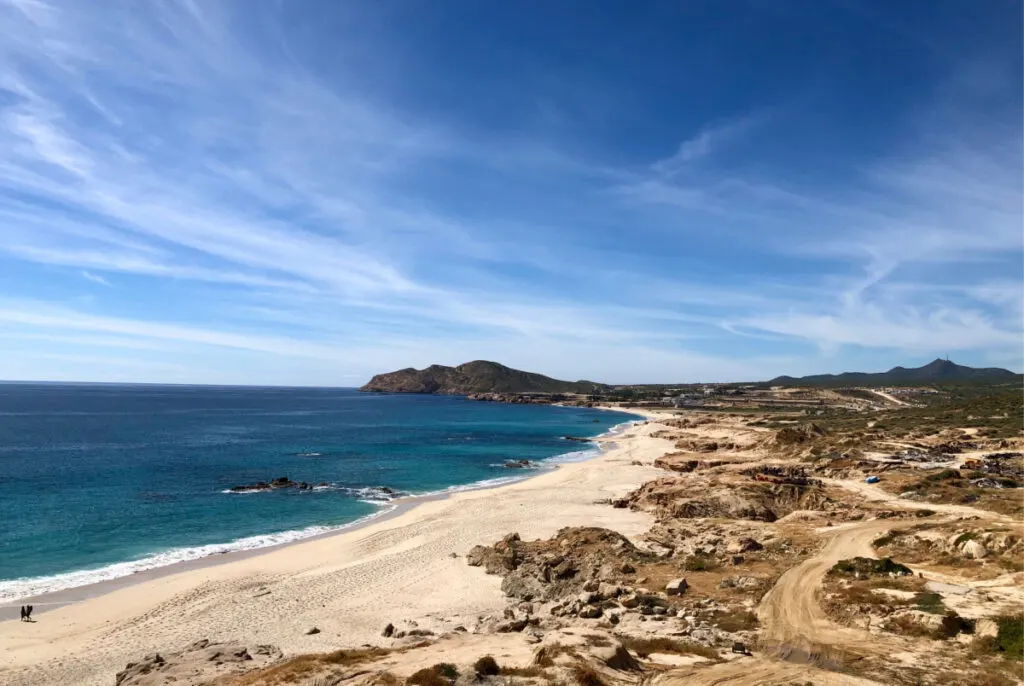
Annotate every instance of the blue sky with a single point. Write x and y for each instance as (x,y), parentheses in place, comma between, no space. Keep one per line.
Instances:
(305,192)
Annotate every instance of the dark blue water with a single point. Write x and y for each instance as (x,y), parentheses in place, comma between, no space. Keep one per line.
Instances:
(99,481)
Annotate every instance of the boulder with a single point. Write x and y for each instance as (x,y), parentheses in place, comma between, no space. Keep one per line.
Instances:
(744,545)
(676,586)
(510,626)
(389,631)
(134,670)
(616,657)
(517,464)
(312,631)
(629,601)
(973,550)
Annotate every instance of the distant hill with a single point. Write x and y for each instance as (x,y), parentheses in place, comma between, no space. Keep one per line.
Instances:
(933,372)
(473,377)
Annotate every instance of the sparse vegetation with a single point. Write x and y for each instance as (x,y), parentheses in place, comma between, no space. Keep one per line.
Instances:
(545,656)
(865,566)
(964,537)
(584,675)
(305,667)
(1010,639)
(953,624)
(487,666)
(929,602)
(441,674)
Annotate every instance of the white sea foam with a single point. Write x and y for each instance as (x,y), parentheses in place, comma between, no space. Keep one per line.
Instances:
(372,494)
(32,586)
(574,456)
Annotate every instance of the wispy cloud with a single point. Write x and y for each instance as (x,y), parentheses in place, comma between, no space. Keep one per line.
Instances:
(95,278)
(705,142)
(251,197)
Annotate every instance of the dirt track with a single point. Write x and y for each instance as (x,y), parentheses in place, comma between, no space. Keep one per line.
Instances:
(878,494)
(754,671)
(790,614)
(799,641)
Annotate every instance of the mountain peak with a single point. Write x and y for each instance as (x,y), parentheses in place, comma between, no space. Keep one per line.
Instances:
(936,370)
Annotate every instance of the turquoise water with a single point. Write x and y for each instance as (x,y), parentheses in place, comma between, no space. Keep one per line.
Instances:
(100,481)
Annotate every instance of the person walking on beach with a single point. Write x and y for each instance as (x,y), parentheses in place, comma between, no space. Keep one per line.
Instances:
(26,613)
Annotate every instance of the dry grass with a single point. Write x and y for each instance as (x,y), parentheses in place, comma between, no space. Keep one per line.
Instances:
(584,675)
(545,656)
(305,667)
(525,672)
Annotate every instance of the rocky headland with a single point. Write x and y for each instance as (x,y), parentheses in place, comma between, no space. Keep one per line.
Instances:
(482,380)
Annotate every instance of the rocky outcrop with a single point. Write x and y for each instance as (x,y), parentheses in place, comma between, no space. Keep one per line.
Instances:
(518,399)
(479,377)
(578,561)
(279,482)
(200,663)
(674,498)
(519,464)
(804,433)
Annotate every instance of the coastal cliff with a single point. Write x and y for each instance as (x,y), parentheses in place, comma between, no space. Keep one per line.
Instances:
(474,378)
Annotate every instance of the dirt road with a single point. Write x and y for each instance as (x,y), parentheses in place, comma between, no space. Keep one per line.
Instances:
(789,613)
(876,493)
(887,396)
(799,641)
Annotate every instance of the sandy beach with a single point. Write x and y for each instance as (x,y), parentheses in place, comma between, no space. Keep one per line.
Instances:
(401,569)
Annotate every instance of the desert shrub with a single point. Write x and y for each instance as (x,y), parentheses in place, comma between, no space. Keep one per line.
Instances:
(929,602)
(427,677)
(953,624)
(584,675)
(964,537)
(1010,639)
(908,626)
(884,540)
(446,670)
(441,674)
(865,566)
(487,666)
(545,656)
(701,563)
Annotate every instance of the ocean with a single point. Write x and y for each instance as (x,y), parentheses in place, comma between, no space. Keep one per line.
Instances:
(99,481)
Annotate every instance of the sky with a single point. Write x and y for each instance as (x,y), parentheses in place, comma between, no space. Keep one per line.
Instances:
(310,192)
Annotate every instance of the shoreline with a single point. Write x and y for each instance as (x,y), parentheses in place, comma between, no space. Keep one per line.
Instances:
(408,569)
(51,600)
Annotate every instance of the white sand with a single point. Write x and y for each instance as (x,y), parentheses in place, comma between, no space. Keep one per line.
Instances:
(348,585)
